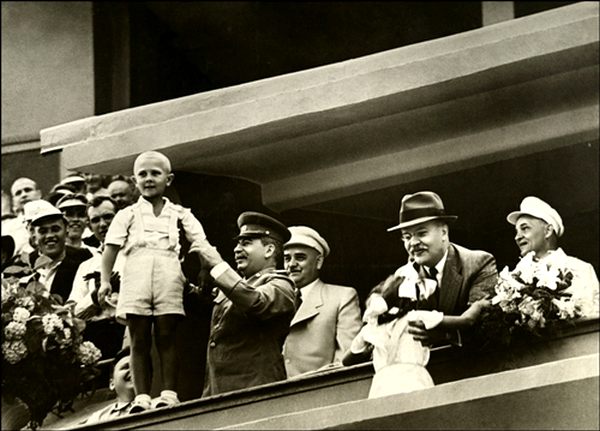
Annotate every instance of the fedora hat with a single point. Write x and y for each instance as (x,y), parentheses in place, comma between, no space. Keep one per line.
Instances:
(419,208)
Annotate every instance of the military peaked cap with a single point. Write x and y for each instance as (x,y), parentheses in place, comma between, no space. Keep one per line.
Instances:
(254,225)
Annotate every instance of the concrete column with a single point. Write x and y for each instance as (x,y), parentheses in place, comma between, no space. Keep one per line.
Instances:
(493,12)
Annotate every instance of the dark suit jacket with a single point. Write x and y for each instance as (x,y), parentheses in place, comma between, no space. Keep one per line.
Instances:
(66,270)
(469,275)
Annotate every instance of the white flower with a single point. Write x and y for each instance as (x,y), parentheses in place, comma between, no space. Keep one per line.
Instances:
(66,339)
(567,309)
(15,330)
(547,276)
(51,321)
(89,354)
(26,302)
(14,351)
(21,314)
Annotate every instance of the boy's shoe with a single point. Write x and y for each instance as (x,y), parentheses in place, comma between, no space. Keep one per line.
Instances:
(142,402)
(167,398)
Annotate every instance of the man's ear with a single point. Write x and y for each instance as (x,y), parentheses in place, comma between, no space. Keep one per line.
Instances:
(548,229)
(269,250)
(320,260)
(111,385)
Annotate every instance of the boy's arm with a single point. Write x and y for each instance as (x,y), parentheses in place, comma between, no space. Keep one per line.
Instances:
(109,255)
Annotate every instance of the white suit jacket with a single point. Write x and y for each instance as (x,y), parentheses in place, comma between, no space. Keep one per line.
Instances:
(322,329)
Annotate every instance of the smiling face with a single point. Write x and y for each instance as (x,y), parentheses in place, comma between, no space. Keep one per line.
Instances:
(532,234)
(152,175)
(122,381)
(51,235)
(76,221)
(426,243)
(251,255)
(302,263)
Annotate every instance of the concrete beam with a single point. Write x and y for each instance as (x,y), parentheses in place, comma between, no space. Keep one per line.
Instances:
(434,158)
(515,399)
(317,124)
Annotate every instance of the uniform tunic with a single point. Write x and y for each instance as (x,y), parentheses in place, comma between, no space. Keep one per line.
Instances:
(250,321)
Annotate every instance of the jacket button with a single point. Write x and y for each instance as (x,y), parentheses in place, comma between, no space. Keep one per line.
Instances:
(212,344)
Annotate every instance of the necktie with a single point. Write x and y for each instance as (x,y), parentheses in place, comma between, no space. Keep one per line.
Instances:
(432,274)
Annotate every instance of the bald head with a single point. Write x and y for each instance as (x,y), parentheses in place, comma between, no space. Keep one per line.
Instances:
(155,157)
(24,190)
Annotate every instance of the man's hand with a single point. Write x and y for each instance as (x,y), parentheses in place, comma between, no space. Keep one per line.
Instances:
(105,289)
(208,254)
(427,337)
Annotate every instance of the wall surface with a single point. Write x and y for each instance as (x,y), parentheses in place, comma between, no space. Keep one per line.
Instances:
(47,79)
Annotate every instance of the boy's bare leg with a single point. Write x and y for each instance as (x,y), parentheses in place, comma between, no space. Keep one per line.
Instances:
(140,332)
(164,333)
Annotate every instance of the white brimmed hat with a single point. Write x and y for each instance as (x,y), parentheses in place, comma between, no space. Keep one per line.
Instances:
(304,235)
(70,179)
(72,200)
(35,211)
(535,207)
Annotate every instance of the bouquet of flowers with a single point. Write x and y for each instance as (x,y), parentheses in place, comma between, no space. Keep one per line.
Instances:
(45,363)
(533,299)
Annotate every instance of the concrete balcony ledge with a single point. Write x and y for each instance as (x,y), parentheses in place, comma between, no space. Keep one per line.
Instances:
(345,389)
(335,116)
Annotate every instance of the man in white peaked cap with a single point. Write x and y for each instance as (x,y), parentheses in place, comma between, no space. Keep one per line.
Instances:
(328,318)
(538,227)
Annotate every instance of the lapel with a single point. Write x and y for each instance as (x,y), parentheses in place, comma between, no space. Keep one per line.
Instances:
(451,281)
(310,305)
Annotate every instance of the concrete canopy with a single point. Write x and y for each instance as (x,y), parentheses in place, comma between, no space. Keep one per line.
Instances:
(515,88)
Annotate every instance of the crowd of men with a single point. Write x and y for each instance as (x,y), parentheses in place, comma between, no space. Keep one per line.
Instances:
(272,312)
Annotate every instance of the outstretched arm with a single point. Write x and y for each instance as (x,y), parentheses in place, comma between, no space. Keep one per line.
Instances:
(467,319)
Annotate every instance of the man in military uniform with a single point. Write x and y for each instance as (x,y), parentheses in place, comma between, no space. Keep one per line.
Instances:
(251,315)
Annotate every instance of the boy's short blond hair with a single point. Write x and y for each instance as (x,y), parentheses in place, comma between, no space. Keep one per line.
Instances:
(154,155)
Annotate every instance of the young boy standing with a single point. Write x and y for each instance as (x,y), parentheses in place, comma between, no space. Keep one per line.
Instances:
(151,292)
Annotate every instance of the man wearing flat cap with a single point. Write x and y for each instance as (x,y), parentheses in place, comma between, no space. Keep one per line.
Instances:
(462,276)
(328,318)
(252,312)
(73,207)
(538,227)
(56,263)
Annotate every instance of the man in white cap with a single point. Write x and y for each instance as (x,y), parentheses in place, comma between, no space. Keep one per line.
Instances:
(73,207)
(57,263)
(328,318)
(538,227)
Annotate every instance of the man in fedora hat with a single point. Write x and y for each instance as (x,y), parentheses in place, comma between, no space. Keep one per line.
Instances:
(252,312)
(463,276)
(538,227)
(328,318)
